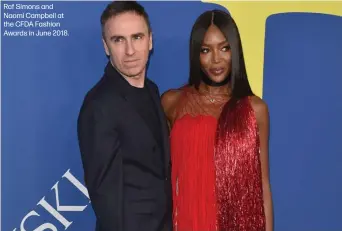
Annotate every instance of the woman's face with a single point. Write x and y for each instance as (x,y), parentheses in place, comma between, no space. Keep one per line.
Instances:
(215,55)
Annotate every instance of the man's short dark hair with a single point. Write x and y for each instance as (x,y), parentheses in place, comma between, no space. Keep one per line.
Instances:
(118,7)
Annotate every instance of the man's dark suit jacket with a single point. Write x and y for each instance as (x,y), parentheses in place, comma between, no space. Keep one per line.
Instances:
(127,173)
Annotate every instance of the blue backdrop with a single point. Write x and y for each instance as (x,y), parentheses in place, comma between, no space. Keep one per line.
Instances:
(45,79)
(302,85)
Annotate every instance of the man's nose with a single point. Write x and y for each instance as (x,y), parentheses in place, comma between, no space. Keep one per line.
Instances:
(130,50)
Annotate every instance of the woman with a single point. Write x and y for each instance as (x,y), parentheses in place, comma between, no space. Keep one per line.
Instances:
(219,136)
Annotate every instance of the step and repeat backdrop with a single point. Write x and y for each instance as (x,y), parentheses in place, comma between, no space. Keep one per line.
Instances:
(52,53)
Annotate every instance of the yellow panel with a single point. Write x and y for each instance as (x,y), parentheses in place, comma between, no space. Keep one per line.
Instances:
(251,16)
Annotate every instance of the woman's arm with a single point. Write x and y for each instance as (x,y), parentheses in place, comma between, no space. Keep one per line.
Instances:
(262,116)
(169,100)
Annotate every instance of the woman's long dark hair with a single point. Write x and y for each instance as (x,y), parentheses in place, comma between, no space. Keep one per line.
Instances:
(238,77)
(236,133)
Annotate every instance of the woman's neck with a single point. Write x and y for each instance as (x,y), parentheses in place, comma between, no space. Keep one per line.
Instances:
(214,90)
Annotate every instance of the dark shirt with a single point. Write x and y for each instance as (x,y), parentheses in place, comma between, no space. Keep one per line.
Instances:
(144,104)
(146,107)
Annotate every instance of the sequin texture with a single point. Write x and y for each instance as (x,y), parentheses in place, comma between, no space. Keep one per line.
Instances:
(238,171)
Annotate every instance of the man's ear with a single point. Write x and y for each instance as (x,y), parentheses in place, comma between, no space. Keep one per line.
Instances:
(105,47)
(150,42)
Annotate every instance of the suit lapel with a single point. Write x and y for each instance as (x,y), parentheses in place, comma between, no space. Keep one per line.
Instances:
(164,126)
(121,85)
(122,88)
(128,97)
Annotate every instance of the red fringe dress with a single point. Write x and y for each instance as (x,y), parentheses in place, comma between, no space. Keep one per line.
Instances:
(216,173)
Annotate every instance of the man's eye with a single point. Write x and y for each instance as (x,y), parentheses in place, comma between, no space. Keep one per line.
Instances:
(138,37)
(118,40)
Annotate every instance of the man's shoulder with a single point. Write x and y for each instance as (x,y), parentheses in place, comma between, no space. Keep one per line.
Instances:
(102,90)
(101,94)
(152,84)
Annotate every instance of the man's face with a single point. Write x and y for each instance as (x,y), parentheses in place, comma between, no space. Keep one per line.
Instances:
(127,41)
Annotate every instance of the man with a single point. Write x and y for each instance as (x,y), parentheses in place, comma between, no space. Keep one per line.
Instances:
(123,134)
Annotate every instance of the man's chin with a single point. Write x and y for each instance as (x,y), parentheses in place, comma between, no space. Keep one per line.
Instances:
(133,74)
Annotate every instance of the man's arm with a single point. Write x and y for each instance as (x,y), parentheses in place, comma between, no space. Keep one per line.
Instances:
(102,163)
